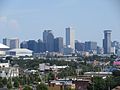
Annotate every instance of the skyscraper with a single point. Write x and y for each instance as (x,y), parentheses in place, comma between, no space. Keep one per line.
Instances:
(58,44)
(32,45)
(107,42)
(40,46)
(70,37)
(24,44)
(48,39)
(45,34)
(50,42)
(11,42)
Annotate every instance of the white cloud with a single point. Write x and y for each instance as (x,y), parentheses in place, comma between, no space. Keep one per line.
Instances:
(3,19)
(13,24)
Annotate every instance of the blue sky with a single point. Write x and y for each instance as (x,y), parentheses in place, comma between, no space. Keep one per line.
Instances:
(27,19)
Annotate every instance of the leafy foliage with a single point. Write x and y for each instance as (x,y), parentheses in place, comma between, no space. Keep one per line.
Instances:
(41,86)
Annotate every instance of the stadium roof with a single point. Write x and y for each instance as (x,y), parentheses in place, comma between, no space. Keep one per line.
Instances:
(3,46)
(20,50)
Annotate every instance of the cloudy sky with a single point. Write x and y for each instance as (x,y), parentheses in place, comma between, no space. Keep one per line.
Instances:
(27,19)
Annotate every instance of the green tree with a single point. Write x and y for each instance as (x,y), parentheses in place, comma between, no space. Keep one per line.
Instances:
(116,73)
(9,85)
(27,88)
(16,83)
(97,84)
(51,76)
(41,86)
(4,81)
(1,84)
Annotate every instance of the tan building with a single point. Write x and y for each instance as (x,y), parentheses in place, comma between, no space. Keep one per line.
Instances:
(61,85)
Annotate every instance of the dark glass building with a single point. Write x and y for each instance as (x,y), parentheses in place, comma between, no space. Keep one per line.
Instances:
(32,45)
(40,46)
(79,46)
(58,44)
(90,45)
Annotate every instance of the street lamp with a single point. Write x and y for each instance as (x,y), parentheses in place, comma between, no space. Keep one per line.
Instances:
(93,81)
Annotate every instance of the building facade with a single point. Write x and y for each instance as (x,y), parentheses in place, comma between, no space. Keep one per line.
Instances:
(70,37)
(58,44)
(107,42)
(11,42)
(32,45)
(79,46)
(48,39)
(90,46)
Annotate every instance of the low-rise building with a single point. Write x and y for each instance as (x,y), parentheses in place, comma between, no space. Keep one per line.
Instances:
(68,84)
(7,71)
(61,85)
(19,52)
(46,67)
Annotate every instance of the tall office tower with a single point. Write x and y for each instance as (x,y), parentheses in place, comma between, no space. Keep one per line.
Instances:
(79,46)
(70,37)
(50,42)
(40,46)
(24,44)
(48,39)
(32,45)
(107,42)
(90,46)
(58,44)
(45,34)
(11,42)
(6,41)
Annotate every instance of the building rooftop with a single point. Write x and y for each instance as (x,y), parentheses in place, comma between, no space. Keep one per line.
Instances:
(2,46)
(20,50)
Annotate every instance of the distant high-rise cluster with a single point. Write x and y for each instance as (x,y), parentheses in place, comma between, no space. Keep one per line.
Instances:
(50,43)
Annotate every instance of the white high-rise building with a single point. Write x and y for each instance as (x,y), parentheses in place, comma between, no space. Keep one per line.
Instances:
(11,42)
(70,42)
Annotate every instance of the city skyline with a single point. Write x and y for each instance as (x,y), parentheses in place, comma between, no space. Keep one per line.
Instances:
(28,19)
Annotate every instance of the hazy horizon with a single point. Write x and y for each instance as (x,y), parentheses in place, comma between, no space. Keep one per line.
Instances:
(27,19)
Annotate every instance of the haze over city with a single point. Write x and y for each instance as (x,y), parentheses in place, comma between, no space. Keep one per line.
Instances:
(27,19)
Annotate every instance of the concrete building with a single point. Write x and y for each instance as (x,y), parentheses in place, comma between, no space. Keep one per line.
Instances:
(4,63)
(7,71)
(46,67)
(107,42)
(11,42)
(69,84)
(70,37)
(68,50)
(61,85)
